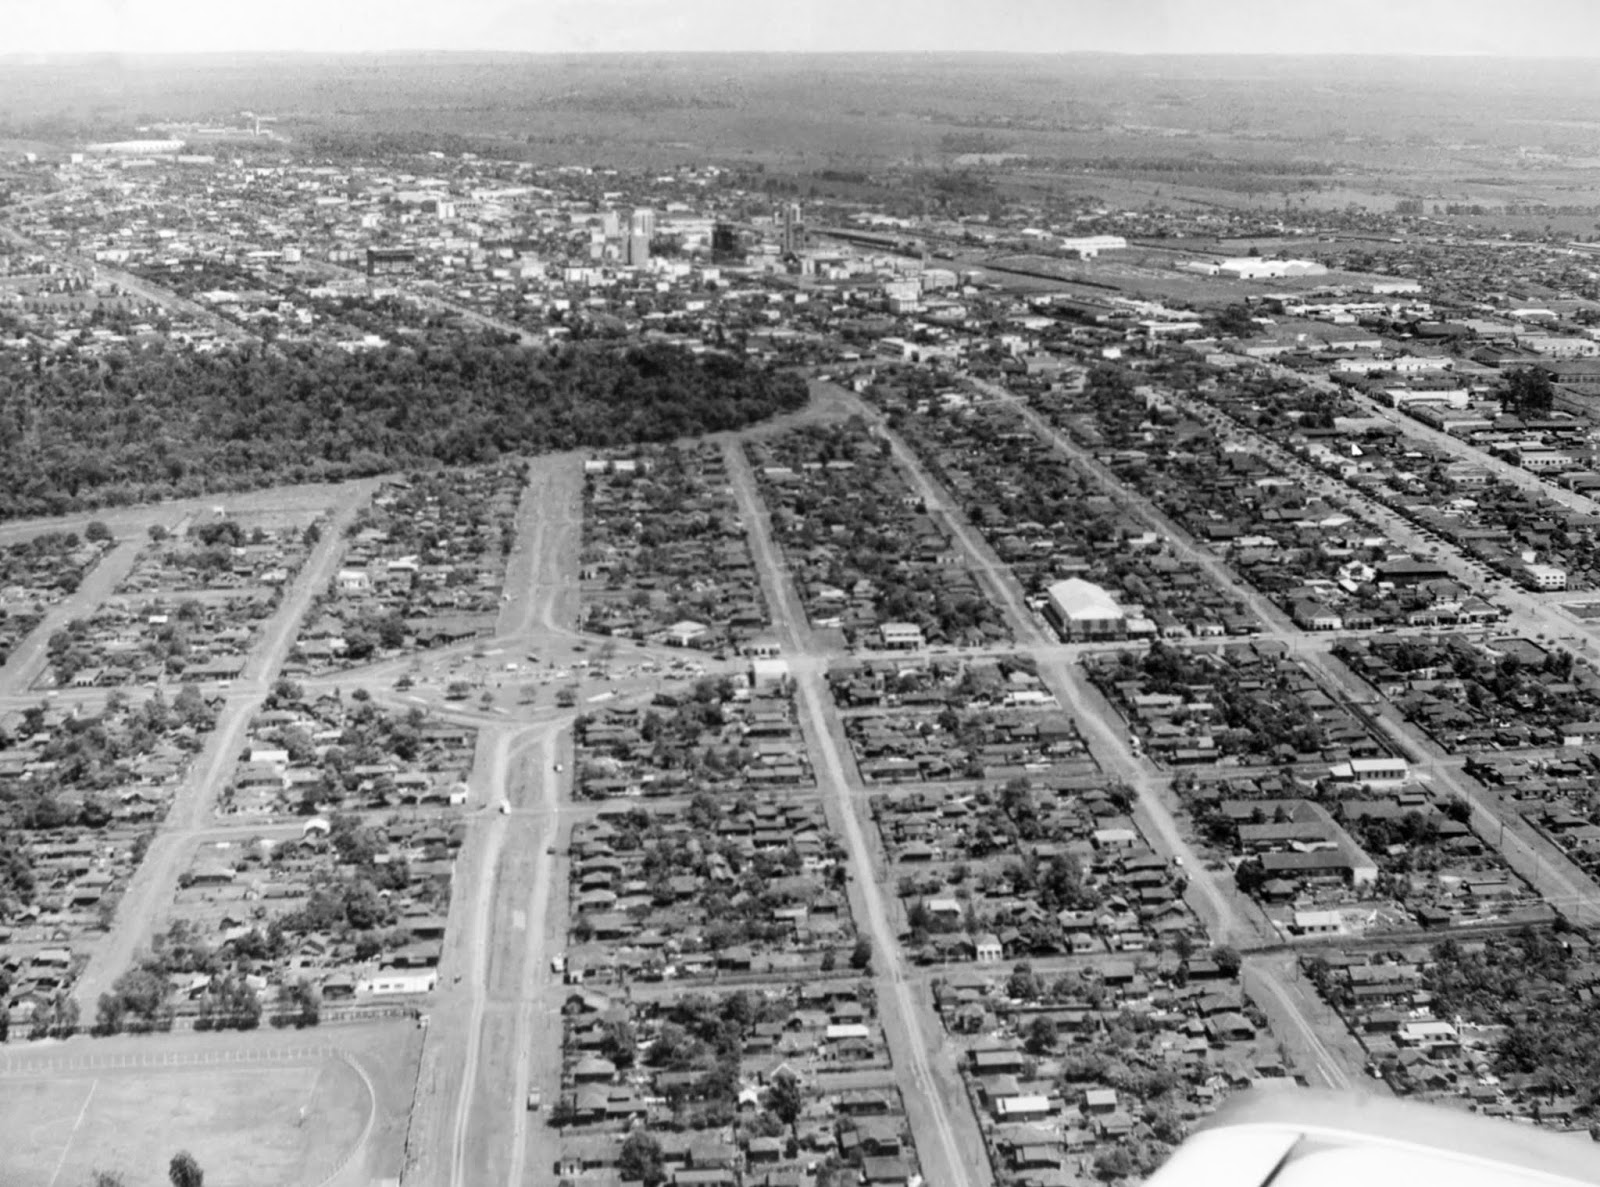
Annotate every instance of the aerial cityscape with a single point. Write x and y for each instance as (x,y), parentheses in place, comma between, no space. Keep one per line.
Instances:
(789,621)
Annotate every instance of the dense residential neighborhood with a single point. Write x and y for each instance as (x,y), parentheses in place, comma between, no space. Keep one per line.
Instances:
(728,674)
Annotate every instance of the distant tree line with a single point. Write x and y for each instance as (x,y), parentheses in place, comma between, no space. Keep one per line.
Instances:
(79,431)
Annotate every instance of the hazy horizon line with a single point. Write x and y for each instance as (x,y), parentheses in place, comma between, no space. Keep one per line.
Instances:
(7,56)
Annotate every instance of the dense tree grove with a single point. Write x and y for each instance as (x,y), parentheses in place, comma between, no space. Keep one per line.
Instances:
(80,431)
(1528,392)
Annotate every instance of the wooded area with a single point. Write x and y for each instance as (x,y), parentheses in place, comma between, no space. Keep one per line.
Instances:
(127,427)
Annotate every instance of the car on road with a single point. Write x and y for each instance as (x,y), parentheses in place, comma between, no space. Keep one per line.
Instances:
(535,1100)
(505,808)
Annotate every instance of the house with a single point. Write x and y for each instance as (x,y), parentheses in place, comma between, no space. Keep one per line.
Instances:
(893,1170)
(1115,838)
(901,636)
(996,1061)
(1022,1108)
(1317,923)
(762,647)
(987,949)
(211,874)
(1100,1100)
(1312,615)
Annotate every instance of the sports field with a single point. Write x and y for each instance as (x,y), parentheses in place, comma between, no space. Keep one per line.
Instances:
(269,1123)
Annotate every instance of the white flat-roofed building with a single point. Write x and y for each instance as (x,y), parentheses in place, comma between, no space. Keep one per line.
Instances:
(1545,576)
(1022,1107)
(1089,246)
(1559,346)
(392,981)
(1428,1033)
(136,148)
(1372,772)
(767,673)
(1080,607)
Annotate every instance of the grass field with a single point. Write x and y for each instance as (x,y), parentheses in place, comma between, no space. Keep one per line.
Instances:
(242,1123)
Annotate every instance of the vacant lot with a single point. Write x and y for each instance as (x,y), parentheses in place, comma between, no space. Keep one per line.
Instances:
(288,1122)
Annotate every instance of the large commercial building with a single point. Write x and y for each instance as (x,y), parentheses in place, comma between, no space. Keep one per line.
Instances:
(382,260)
(1089,246)
(1080,608)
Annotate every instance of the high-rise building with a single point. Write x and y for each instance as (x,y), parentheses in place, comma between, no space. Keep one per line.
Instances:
(725,241)
(643,223)
(611,224)
(794,229)
(638,250)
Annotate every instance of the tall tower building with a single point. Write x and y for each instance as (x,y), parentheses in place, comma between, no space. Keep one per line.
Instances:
(638,251)
(794,229)
(724,241)
(643,223)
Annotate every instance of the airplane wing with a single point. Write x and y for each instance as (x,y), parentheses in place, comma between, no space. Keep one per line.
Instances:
(1323,1139)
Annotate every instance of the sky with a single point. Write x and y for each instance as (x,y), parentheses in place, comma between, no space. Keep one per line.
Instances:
(1526,28)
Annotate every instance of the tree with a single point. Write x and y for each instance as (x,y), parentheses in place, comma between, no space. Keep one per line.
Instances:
(1115,1163)
(308,1002)
(109,1014)
(1250,876)
(639,1160)
(784,1100)
(1041,1035)
(184,1171)
(1227,959)
(97,532)
(620,1043)
(1022,984)
(1236,321)
(861,955)
(1529,393)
